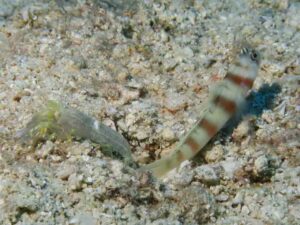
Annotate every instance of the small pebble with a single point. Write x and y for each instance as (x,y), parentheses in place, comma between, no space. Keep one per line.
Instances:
(75,182)
(238,199)
(215,154)
(168,134)
(207,175)
(242,131)
(245,210)
(222,198)
(65,171)
(46,150)
(83,219)
(261,165)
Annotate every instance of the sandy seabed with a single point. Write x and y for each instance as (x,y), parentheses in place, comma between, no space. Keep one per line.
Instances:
(144,68)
